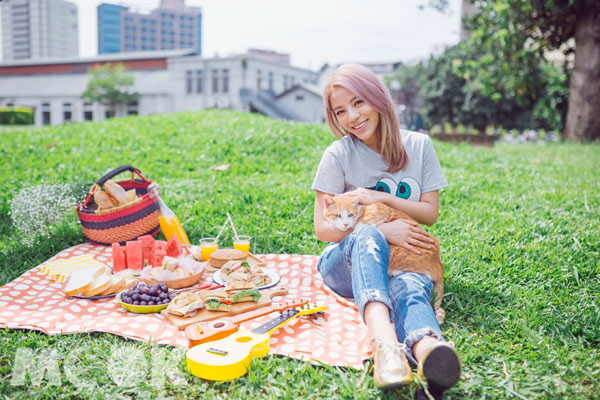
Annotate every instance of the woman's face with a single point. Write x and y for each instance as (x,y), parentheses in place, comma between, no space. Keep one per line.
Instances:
(355,116)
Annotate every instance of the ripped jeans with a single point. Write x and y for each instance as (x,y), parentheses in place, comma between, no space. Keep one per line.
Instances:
(357,268)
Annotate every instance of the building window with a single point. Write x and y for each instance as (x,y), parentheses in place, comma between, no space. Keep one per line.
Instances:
(258,79)
(67,114)
(132,108)
(46,117)
(225,88)
(291,81)
(299,97)
(215,80)
(198,81)
(285,82)
(271,80)
(189,83)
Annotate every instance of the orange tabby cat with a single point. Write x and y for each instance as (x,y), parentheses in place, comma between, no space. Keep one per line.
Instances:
(344,212)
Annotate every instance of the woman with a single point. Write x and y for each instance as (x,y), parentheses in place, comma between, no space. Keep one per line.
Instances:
(378,163)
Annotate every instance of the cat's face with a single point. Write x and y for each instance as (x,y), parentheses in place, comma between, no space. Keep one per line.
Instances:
(342,211)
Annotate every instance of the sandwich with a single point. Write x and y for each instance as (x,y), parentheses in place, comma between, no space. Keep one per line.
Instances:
(220,257)
(245,295)
(185,304)
(216,300)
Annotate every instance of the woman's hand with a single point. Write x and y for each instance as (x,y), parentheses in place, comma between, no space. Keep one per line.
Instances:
(406,233)
(366,196)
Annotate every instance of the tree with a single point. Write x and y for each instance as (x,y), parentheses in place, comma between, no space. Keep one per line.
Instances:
(514,35)
(110,84)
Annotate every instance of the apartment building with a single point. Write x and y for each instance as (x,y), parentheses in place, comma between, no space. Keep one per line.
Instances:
(38,29)
(171,26)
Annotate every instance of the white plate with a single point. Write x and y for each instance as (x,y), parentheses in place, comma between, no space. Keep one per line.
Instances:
(270,272)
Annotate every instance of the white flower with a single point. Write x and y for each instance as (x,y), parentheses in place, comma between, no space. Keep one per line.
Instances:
(36,210)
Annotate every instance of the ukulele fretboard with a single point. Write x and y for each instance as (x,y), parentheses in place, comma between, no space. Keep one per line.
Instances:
(272,324)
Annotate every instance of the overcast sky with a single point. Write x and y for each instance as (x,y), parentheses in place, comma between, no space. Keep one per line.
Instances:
(313,32)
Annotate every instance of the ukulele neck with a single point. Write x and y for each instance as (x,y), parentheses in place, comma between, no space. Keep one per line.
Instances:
(274,324)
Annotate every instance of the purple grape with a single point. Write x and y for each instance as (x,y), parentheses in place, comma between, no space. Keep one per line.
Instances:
(135,296)
(143,303)
(136,303)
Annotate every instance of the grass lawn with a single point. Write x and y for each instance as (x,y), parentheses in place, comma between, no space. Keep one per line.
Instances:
(518,226)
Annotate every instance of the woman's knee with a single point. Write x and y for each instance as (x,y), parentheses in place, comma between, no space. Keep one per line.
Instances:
(370,233)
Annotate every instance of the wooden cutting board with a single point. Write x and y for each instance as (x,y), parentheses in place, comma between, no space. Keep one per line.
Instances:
(204,315)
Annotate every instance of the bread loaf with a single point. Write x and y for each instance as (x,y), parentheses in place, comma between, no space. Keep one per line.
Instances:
(116,191)
(103,200)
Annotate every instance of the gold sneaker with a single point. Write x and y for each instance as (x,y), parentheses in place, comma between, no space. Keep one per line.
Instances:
(391,369)
(440,367)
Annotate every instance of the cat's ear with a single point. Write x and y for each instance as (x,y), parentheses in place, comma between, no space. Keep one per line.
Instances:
(327,200)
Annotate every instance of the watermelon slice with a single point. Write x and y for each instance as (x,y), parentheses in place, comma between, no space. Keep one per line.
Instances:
(174,247)
(135,258)
(147,245)
(118,258)
(158,253)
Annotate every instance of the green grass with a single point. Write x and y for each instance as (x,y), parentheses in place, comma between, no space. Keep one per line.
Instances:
(518,226)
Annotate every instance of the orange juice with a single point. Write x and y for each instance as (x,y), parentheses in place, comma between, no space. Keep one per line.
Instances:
(207,247)
(170,225)
(242,243)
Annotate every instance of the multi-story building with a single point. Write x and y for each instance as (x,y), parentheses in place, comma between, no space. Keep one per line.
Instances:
(39,29)
(171,26)
(166,81)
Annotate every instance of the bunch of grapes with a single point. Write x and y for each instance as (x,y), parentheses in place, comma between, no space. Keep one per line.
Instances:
(144,295)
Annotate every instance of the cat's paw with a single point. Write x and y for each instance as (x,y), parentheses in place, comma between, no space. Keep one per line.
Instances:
(440,314)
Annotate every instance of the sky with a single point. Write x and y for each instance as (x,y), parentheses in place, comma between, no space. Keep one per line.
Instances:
(312,32)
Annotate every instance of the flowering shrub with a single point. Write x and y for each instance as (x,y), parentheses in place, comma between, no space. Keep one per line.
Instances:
(36,210)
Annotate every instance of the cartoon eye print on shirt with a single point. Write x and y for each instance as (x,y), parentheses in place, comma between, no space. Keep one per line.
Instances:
(408,188)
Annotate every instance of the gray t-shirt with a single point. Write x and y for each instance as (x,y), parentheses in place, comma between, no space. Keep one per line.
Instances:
(348,164)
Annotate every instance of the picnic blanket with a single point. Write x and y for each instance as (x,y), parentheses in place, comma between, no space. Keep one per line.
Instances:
(36,301)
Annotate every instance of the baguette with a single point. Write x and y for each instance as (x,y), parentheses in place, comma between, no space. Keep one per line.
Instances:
(116,191)
(103,200)
(83,279)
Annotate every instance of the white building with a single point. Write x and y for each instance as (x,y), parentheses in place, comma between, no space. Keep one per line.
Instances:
(166,81)
(38,29)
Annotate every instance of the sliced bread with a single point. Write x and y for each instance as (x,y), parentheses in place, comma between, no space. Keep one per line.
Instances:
(83,279)
(98,286)
(114,286)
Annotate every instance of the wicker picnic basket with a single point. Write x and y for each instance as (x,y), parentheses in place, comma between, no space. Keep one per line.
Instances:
(122,223)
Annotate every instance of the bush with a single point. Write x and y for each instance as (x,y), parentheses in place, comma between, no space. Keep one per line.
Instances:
(16,116)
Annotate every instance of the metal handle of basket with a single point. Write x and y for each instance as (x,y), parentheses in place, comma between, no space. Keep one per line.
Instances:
(109,175)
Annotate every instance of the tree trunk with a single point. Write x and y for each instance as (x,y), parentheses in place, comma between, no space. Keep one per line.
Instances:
(583,117)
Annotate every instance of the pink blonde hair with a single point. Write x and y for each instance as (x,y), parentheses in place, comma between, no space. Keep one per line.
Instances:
(364,84)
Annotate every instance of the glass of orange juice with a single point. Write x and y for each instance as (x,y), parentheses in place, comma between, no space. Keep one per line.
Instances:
(207,247)
(242,243)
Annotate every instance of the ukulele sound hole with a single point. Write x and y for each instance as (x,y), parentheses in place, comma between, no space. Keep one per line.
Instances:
(243,339)
(219,325)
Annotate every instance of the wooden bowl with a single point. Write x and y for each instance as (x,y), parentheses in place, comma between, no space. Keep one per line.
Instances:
(177,283)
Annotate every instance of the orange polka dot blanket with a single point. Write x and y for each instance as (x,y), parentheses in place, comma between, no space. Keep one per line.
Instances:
(36,301)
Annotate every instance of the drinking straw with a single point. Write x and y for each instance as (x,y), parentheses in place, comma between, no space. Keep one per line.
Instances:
(232,227)
(222,228)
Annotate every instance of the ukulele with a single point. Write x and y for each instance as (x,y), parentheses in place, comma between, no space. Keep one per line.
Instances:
(229,358)
(209,331)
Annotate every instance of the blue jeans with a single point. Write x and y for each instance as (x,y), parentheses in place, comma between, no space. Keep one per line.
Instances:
(357,267)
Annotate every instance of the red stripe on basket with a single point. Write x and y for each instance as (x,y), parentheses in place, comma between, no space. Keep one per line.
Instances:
(85,217)
(116,220)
